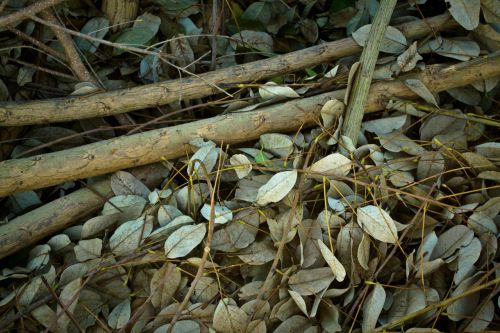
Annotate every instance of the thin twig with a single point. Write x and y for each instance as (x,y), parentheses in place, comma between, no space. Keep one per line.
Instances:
(206,249)
(356,306)
(42,69)
(434,110)
(286,230)
(441,304)
(215,27)
(162,56)
(61,304)
(37,43)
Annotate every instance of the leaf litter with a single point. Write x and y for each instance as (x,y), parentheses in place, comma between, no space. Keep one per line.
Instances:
(400,232)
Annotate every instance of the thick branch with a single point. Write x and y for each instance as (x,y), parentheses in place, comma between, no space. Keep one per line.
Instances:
(59,214)
(145,148)
(120,101)
(33,9)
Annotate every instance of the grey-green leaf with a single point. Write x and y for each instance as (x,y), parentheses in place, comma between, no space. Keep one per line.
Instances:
(120,315)
(96,27)
(129,236)
(377,223)
(184,240)
(465,12)
(277,187)
(311,281)
(372,307)
(393,42)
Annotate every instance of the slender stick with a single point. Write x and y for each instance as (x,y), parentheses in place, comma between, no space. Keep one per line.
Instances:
(369,56)
(208,243)
(37,43)
(441,304)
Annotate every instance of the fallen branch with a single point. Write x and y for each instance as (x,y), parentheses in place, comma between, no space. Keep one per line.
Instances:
(33,9)
(59,214)
(120,101)
(124,152)
(359,94)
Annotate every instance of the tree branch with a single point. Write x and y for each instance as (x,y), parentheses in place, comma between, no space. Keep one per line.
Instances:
(24,13)
(152,95)
(123,152)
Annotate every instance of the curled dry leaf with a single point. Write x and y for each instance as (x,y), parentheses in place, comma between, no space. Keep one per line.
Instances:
(271,90)
(242,165)
(331,111)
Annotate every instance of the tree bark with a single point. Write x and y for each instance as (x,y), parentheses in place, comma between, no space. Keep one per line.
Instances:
(24,13)
(128,151)
(121,13)
(152,95)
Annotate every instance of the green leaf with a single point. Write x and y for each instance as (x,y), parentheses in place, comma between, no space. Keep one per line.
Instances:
(257,12)
(96,27)
(144,29)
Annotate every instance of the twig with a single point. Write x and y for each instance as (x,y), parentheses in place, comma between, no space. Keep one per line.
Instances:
(286,230)
(478,309)
(206,249)
(359,94)
(42,69)
(215,27)
(441,304)
(37,43)
(162,56)
(356,306)
(63,306)
(24,13)
(468,117)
